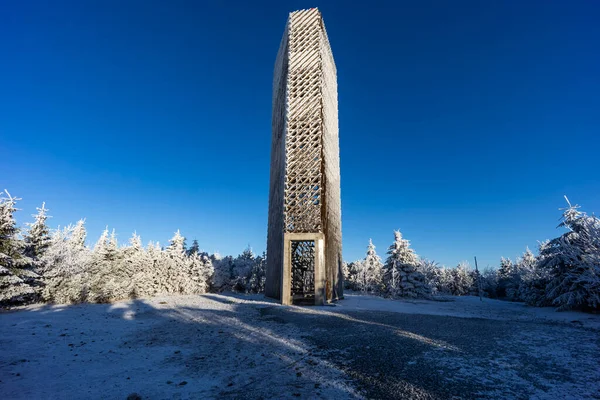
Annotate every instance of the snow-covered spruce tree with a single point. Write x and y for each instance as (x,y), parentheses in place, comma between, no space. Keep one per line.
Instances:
(194,248)
(346,274)
(223,275)
(370,272)
(152,276)
(242,270)
(105,269)
(351,279)
(133,270)
(402,275)
(37,237)
(176,267)
(489,282)
(66,263)
(200,270)
(462,280)
(258,275)
(572,262)
(523,269)
(533,285)
(505,275)
(16,274)
(433,275)
(475,289)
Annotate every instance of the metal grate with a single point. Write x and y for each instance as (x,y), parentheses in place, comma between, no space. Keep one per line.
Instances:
(303,269)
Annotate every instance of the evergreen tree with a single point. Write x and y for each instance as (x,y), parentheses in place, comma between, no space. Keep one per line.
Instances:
(505,274)
(351,280)
(402,275)
(194,248)
(104,268)
(370,271)
(572,262)
(67,264)
(223,272)
(258,275)
(16,276)
(242,269)
(37,237)
(524,268)
(489,282)
(462,280)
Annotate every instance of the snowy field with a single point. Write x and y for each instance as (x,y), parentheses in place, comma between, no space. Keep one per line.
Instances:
(235,346)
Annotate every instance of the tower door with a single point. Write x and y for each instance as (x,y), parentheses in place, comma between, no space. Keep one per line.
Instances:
(303,277)
(303,271)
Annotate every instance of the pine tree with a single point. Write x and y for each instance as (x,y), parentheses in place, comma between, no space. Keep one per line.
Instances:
(176,265)
(105,268)
(462,280)
(258,275)
(370,271)
(67,264)
(351,279)
(242,270)
(37,237)
(505,274)
(16,276)
(489,282)
(194,248)
(223,275)
(524,268)
(572,262)
(402,275)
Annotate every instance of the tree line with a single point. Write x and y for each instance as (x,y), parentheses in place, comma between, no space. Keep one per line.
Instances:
(565,273)
(40,264)
(37,264)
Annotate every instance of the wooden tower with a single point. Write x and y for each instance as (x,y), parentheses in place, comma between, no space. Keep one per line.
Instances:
(304,240)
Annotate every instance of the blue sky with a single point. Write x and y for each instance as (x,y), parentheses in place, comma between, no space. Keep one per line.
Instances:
(461,123)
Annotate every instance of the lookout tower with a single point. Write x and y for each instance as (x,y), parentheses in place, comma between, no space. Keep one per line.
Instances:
(304,240)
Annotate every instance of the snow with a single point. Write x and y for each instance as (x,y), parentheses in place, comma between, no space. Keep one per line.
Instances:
(165,347)
(468,307)
(236,346)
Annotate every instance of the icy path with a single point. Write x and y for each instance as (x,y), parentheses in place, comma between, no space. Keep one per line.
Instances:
(233,346)
(186,347)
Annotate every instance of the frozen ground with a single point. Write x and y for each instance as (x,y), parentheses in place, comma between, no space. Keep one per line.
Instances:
(233,346)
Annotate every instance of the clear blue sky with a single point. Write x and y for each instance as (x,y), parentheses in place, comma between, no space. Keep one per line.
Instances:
(461,123)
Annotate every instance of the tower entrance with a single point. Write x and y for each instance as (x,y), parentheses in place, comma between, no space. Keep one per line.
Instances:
(303,271)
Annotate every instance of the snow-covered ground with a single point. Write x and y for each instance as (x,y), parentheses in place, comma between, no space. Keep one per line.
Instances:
(235,346)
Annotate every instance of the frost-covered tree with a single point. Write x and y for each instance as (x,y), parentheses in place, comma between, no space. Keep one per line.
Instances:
(505,275)
(37,237)
(242,270)
(175,266)
(66,264)
(489,282)
(258,275)
(105,268)
(572,262)
(402,275)
(351,276)
(370,271)
(523,269)
(194,248)
(434,275)
(223,274)
(200,273)
(462,280)
(16,275)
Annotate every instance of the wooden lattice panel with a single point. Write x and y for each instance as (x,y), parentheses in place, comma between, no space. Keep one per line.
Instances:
(304,147)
